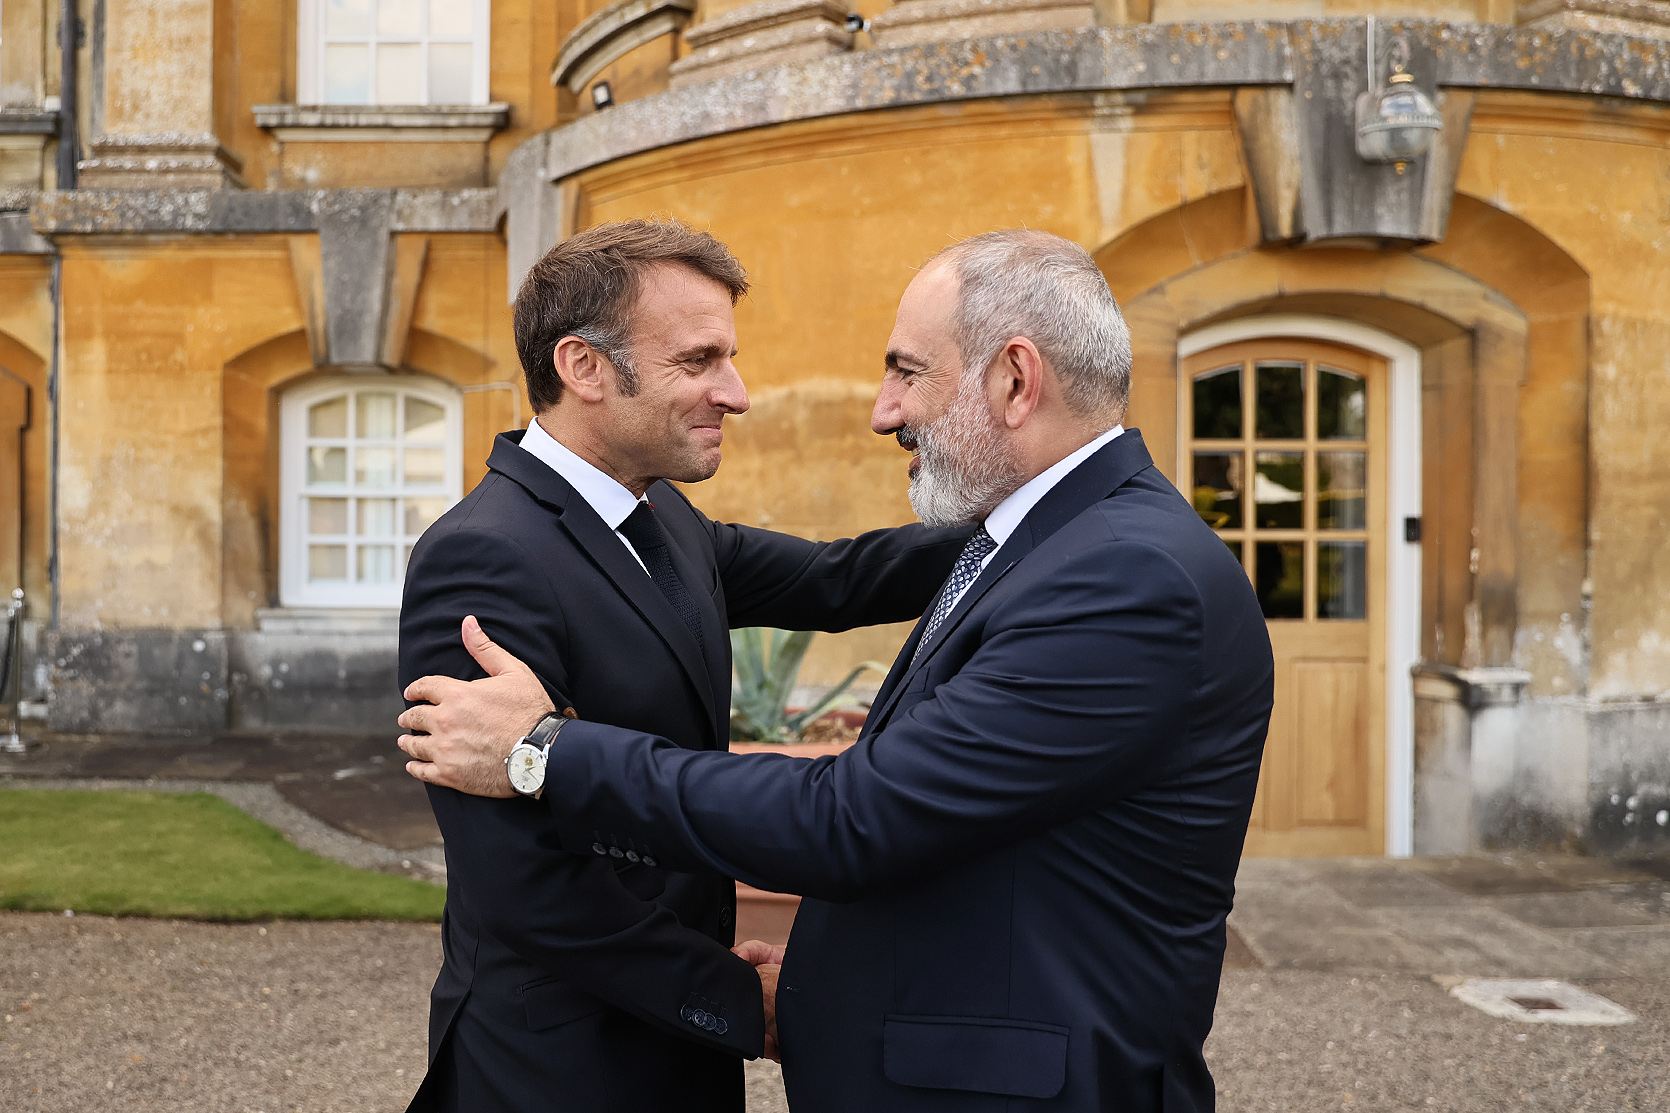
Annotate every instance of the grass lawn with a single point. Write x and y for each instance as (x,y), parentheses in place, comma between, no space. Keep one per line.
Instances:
(180,856)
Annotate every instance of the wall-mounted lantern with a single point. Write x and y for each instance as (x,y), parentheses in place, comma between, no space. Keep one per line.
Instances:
(1397,123)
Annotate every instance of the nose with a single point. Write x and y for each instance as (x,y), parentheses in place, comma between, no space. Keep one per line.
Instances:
(730,394)
(888,414)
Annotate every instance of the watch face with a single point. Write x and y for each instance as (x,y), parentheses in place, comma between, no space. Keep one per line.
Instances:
(527,769)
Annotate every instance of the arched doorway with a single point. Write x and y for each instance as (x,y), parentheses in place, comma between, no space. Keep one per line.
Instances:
(1299,442)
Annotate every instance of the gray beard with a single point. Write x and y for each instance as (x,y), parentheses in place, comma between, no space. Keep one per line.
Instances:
(966,468)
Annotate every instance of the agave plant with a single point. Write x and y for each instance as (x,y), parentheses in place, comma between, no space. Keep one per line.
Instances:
(767,666)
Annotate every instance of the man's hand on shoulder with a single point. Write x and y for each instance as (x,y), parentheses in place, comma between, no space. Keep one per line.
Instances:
(464,730)
(768,963)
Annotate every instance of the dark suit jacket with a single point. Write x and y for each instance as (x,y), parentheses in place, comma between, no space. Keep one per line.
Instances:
(1020,874)
(590,981)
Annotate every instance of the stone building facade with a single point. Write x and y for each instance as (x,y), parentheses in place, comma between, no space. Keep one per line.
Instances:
(255,260)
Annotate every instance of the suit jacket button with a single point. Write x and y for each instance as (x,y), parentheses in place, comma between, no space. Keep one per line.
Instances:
(725,915)
(598,848)
(616,852)
(721,1027)
(648,861)
(686,1013)
(631,855)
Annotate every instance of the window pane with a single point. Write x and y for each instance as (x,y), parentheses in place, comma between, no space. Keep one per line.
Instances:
(347,18)
(425,466)
(422,513)
(376,518)
(327,562)
(347,74)
(1279,578)
(328,419)
(450,17)
(1342,579)
(327,465)
(1281,401)
(1218,404)
(327,516)
(374,467)
(1217,493)
(376,564)
(425,421)
(400,17)
(1341,486)
(1279,490)
(400,73)
(450,66)
(1341,405)
(374,416)
(1234,550)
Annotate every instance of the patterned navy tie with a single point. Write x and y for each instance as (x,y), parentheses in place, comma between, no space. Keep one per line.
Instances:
(963,573)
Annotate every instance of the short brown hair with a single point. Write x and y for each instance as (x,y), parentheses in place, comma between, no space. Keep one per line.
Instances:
(587,285)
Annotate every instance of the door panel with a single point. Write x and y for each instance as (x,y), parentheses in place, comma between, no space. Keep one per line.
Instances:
(1285,457)
(14,418)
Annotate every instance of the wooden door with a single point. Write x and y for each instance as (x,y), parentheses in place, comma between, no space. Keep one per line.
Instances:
(14,419)
(1284,455)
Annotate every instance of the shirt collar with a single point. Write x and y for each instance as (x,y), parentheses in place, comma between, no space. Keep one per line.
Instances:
(612,501)
(1007,517)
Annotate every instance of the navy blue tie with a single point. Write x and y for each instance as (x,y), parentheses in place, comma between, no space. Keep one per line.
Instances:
(643,529)
(963,573)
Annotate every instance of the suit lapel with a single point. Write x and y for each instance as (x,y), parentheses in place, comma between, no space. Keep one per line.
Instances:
(599,542)
(1001,564)
(1093,480)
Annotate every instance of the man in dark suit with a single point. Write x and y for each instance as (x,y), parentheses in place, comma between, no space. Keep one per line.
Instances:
(1018,878)
(604,981)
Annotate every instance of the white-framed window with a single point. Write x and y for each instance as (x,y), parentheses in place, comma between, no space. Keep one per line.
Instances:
(369,463)
(392,52)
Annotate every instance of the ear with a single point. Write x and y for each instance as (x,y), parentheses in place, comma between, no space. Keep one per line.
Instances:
(1017,381)
(581,368)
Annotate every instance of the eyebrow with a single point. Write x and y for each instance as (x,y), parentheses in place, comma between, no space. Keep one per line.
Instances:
(701,350)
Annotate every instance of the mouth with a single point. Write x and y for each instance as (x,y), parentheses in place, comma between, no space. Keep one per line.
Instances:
(915,466)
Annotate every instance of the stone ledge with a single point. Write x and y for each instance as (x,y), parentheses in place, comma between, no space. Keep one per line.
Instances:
(16,122)
(920,21)
(328,620)
(359,123)
(762,35)
(1149,56)
(251,212)
(606,35)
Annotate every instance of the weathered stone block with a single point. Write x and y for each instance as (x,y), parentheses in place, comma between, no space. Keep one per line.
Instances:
(1647,18)
(169,681)
(910,22)
(758,36)
(166,160)
(308,681)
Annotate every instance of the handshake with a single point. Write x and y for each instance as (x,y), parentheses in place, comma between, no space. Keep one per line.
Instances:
(768,962)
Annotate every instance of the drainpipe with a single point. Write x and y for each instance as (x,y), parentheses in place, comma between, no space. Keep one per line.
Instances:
(69,44)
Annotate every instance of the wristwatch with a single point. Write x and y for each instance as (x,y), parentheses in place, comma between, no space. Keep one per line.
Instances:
(526,763)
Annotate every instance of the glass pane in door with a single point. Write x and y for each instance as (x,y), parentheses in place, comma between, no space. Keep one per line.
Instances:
(1281,401)
(1217,404)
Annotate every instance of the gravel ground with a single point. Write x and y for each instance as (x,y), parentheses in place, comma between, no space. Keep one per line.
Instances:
(147,1014)
(1301,1041)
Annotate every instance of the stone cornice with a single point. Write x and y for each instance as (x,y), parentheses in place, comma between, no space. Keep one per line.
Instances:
(349,117)
(248,212)
(14,121)
(610,32)
(1150,56)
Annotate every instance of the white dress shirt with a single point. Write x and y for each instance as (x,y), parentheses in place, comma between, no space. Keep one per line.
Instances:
(1008,515)
(613,503)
